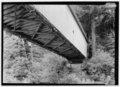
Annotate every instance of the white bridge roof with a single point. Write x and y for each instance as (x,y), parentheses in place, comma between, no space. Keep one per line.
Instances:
(62,18)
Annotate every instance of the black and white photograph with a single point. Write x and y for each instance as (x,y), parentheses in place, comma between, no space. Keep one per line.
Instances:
(59,43)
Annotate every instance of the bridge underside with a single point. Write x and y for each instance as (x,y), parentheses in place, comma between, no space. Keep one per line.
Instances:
(25,21)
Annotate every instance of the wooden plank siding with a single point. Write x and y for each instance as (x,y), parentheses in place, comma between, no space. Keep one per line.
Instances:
(28,23)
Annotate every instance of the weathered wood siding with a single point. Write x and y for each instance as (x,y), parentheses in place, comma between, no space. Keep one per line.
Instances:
(53,29)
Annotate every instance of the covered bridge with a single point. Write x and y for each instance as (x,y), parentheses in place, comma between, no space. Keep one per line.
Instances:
(54,27)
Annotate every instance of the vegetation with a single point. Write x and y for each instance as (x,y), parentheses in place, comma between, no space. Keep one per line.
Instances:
(99,24)
(37,65)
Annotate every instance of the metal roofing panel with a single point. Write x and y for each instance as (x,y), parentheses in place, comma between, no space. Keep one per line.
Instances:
(61,17)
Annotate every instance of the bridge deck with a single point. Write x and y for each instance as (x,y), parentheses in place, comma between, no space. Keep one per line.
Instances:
(25,21)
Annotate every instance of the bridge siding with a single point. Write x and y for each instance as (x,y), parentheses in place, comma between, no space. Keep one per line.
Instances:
(41,36)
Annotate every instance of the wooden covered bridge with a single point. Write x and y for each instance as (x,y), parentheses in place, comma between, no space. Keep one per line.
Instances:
(54,27)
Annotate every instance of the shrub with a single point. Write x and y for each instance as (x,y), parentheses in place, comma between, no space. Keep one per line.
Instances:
(99,66)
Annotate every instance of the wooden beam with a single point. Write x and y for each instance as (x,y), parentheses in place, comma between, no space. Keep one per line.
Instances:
(19,31)
(50,41)
(24,19)
(39,27)
(15,18)
(65,50)
(5,7)
(46,33)
(7,12)
(18,12)
(60,45)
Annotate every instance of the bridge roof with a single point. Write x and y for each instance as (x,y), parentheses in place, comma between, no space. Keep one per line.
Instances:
(27,22)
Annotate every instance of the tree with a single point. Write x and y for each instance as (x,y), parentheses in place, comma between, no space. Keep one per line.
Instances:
(97,20)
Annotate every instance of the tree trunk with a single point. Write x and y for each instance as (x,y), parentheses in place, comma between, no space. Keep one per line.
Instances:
(93,37)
